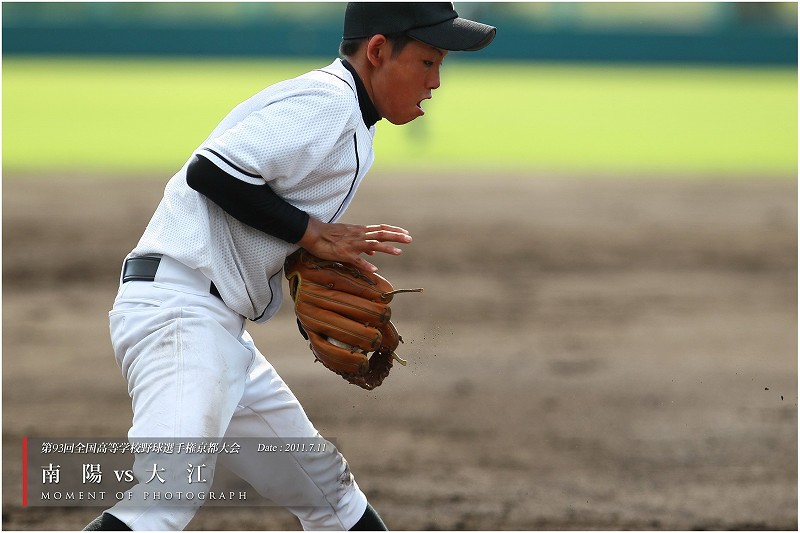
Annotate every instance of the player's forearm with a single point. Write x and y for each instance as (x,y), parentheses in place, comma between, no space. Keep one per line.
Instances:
(255,205)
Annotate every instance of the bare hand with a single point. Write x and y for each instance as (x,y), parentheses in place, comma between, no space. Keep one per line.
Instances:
(346,242)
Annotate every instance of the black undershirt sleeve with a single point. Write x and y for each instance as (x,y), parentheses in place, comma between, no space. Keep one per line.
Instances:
(255,205)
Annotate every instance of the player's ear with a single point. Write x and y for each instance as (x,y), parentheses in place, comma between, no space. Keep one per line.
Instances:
(378,49)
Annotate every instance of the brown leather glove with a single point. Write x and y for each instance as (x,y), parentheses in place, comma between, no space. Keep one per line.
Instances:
(344,314)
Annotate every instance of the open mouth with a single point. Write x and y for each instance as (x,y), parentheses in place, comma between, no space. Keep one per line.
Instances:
(419,104)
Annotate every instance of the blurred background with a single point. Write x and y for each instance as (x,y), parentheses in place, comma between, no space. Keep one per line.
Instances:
(622,86)
(604,211)
(719,32)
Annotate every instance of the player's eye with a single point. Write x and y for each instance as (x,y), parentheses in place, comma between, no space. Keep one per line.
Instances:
(428,63)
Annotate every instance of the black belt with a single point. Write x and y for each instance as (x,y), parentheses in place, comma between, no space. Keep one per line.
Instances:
(145,268)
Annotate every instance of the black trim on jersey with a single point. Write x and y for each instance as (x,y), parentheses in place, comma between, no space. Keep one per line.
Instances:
(271,297)
(369,114)
(368,111)
(353,183)
(234,167)
(341,78)
(255,205)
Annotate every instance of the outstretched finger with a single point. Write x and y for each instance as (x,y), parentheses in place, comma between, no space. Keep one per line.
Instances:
(388,236)
(372,247)
(387,227)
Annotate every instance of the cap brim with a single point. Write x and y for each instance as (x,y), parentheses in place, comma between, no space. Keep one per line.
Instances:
(456,34)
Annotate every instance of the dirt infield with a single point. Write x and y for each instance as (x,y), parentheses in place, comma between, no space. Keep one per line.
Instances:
(588,354)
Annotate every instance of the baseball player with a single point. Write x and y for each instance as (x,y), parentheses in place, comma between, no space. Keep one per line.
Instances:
(274,176)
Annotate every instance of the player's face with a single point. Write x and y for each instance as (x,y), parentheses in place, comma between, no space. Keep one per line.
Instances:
(405,80)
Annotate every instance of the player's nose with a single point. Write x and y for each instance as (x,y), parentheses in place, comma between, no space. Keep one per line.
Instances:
(434,80)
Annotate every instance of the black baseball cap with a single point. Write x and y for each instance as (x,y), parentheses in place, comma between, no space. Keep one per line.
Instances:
(433,23)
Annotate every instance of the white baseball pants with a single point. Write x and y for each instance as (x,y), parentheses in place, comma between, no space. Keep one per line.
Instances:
(193,372)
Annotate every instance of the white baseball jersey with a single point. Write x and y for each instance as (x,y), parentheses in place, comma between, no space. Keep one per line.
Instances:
(307,139)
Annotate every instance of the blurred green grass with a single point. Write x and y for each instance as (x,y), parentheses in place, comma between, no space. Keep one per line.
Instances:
(123,116)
